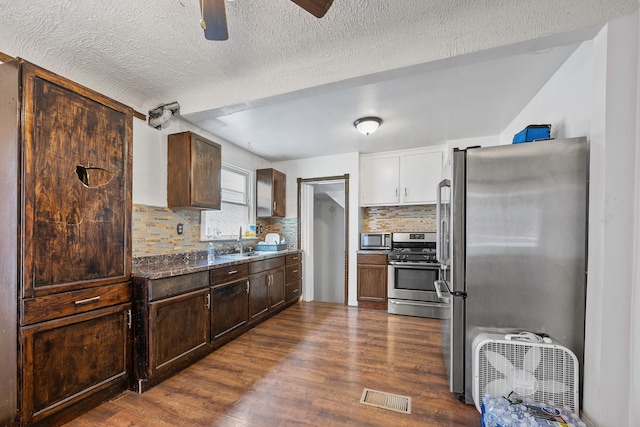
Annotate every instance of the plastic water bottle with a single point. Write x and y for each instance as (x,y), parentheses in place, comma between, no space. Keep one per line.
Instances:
(211,255)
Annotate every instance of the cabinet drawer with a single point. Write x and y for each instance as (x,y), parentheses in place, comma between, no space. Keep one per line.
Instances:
(162,288)
(293,259)
(227,274)
(55,306)
(266,264)
(292,290)
(377,259)
(292,273)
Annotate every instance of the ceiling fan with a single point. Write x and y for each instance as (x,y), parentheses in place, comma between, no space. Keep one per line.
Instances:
(214,19)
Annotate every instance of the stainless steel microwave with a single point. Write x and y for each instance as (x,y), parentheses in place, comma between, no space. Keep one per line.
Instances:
(381,241)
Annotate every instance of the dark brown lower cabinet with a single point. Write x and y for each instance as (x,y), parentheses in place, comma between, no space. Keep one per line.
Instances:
(229,311)
(178,319)
(276,289)
(293,278)
(178,329)
(258,295)
(372,281)
(73,363)
(266,287)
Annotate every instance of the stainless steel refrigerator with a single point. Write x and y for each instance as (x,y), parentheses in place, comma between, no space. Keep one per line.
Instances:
(512,223)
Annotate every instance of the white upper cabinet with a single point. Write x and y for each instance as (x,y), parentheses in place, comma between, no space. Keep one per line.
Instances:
(419,177)
(400,178)
(379,180)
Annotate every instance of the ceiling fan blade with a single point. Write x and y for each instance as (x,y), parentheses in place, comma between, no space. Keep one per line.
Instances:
(317,8)
(215,19)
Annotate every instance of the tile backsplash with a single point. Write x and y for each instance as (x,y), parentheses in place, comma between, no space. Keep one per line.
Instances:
(154,228)
(286,227)
(154,232)
(399,218)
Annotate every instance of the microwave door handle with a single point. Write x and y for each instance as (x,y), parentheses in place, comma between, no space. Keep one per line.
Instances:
(442,226)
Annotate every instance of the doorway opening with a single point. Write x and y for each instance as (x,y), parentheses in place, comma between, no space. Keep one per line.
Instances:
(323,227)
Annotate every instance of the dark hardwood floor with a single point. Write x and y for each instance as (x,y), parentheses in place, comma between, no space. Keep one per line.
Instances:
(308,365)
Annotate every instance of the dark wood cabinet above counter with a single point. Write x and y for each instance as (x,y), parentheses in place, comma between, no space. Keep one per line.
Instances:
(270,193)
(193,172)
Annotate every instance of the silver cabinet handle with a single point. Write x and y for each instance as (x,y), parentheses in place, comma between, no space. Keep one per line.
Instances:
(208,301)
(233,272)
(247,286)
(295,271)
(84,301)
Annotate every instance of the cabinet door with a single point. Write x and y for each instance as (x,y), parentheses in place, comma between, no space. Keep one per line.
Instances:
(229,310)
(193,172)
(70,359)
(259,295)
(276,289)
(178,328)
(379,180)
(77,195)
(420,176)
(270,193)
(205,173)
(279,194)
(372,283)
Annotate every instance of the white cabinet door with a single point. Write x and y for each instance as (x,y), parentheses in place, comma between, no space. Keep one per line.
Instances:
(420,174)
(379,183)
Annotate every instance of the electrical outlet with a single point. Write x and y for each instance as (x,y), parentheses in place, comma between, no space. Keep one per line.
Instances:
(180,228)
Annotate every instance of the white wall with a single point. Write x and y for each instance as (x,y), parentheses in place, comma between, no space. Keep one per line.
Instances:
(150,159)
(595,94)
(319,167)
(613,277)
(564,101)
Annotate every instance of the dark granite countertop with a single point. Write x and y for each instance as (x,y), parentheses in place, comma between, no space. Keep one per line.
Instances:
(176,265)
(374,251)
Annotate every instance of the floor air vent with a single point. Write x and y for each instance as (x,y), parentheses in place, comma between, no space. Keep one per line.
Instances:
(383,400)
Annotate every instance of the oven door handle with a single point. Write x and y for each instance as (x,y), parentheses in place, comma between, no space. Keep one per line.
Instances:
(400,264)
(437,284)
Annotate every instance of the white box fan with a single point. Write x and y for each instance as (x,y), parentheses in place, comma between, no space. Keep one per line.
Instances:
(532,367)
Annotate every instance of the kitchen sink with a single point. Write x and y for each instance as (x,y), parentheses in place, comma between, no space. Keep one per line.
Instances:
(240,255)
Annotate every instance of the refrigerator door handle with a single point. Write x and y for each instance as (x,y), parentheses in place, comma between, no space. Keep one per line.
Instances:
(442,230)
(437,284)
(452,293)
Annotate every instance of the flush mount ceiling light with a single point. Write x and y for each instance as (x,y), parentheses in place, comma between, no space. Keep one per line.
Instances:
(367,125)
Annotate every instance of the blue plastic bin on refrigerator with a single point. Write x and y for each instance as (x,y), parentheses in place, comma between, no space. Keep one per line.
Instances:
(532,133)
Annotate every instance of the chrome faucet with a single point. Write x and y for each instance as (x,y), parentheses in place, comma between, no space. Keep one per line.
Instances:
(240,240)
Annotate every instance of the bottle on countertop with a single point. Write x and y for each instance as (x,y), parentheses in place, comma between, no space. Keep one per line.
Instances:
(211,255)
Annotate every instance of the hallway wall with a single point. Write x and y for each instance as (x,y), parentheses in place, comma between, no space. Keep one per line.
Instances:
(328,251)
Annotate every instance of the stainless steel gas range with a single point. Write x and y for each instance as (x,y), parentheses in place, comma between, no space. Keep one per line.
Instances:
(413,269)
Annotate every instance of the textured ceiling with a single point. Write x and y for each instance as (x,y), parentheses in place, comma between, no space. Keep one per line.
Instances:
(148,52)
